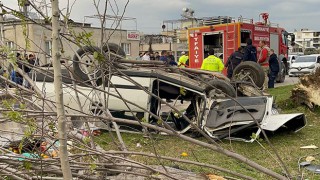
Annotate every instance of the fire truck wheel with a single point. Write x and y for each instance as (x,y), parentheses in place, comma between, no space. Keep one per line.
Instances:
(218,88)
(84,64)
(114,48)
(249,71)
(282,74)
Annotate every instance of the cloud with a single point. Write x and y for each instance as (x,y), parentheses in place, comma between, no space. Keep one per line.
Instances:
(290,14)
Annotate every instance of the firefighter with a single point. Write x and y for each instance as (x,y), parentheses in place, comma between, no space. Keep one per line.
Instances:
(233,61)
(183,60)
(212,63)
(264,60)
(250,52)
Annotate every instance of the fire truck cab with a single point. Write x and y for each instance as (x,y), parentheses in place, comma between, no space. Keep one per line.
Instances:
(225,35)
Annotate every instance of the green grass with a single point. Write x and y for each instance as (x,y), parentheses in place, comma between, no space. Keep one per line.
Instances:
(281,93)
(287,145)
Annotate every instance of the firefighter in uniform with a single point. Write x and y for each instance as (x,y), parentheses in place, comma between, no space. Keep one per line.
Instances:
(212,63)
(233,61)
(183,60)
(264,61)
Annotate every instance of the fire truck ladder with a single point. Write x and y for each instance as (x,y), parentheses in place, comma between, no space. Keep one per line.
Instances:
(231,37)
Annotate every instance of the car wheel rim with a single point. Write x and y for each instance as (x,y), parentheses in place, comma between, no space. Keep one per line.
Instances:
(246,75)
(88,65)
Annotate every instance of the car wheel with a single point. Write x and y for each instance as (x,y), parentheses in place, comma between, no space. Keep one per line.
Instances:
(86,65)
(114,48)
(218,88)
(247,71)
(281,75)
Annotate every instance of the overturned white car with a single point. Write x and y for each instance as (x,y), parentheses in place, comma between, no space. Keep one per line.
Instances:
(209,100)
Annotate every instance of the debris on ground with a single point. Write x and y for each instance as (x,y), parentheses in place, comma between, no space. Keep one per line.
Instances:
(309,147)
(215,177)
(307,90)
(310,158)
(177,173)
(314,168)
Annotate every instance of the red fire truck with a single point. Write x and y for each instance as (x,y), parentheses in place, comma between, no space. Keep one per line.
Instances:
(225,35)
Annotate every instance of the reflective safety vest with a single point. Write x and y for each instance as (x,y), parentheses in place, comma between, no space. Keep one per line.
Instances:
(212,63)
(182,61)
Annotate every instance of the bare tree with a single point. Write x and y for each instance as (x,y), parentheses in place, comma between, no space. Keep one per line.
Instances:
(76,164)
(62,127)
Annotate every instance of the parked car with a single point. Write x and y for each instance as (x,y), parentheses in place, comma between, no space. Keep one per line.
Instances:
(305,65)
(206,98)
(291,59)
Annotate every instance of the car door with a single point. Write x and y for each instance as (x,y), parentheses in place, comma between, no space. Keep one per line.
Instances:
(129,91)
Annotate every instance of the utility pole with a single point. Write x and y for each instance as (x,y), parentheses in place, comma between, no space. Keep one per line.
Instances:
(1,25)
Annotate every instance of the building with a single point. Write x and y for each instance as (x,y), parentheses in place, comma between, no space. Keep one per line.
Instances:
(306,39)
(15,32)
(175,32)
(173,36)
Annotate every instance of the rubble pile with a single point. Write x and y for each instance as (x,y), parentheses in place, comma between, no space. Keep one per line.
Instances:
(307,91)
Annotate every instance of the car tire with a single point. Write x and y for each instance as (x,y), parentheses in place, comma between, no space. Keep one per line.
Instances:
(282,74)
(78,66)
(224,86)
(255,72)
(114,48)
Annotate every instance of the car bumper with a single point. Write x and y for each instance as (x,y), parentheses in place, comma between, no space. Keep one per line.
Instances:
(296,72)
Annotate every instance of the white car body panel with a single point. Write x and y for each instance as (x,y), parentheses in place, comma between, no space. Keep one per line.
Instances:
(274,122)
(302,68)
(129,92)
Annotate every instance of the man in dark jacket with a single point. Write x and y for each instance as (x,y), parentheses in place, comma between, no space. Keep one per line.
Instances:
(170,56)
(250,52)
(274,68)
(233,61)
(157,56)
(168,61)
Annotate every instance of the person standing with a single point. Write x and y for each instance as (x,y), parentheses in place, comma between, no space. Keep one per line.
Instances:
(139,57)
(233,61)
(27,69)
(183,60)
(146,56)
(157,56)
(250,52)
(212,63)
(163,56)
(171,56)
(152,58)
(264,61)
(14,75)
(274,68)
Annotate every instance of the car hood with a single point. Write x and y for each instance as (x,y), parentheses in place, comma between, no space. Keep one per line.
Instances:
(226,114)
(302,64)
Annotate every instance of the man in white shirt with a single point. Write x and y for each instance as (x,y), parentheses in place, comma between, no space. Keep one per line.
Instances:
(146,56)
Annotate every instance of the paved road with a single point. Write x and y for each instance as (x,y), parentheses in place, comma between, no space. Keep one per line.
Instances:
(288,81)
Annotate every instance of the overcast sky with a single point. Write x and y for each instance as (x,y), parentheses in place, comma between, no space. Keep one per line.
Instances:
(290,14)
